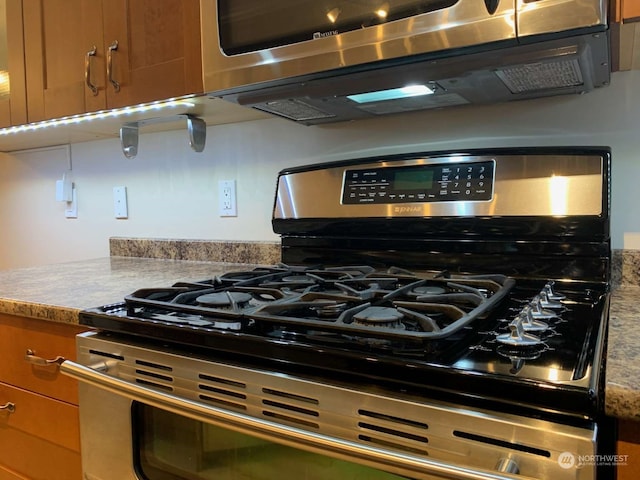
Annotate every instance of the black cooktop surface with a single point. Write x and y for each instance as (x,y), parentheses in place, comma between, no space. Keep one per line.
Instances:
(426,330)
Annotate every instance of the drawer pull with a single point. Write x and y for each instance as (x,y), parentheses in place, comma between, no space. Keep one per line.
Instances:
(35,360)
(8,407)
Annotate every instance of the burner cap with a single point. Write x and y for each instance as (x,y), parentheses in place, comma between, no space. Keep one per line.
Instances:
(297,279)
(223,299)
(378,315)
(429,290)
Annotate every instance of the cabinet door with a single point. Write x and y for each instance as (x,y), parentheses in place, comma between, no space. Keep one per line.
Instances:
(45,340)
(58,34)
(40,438)
(13,99)
(158,49)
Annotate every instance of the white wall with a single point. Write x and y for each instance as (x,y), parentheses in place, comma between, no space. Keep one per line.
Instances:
(172,191)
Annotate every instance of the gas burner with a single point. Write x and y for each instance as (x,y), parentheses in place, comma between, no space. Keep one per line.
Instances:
(387,317)
(328,308)
(429,290)
(224,299)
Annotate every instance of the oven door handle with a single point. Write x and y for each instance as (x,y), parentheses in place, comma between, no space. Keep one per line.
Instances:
(347,450)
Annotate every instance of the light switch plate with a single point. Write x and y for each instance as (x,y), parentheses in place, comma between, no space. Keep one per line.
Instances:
(71,210)
(120,209)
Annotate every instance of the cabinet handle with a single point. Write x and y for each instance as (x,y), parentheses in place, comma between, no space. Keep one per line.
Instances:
(112,48)
(87,70)
(31,357)
(8,407)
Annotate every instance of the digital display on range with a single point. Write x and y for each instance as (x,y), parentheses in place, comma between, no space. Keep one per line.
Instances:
(469,181)
(412,179)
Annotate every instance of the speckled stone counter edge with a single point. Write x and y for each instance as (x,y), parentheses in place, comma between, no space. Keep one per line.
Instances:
(265,253)
(625,268)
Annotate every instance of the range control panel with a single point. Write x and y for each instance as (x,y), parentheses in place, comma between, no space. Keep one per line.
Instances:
(448,182)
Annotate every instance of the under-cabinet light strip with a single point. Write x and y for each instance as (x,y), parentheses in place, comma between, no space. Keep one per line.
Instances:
(87,117)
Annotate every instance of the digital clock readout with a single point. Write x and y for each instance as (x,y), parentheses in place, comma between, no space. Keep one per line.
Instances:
(413,179)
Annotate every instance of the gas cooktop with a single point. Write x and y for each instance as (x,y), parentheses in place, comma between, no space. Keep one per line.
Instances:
(386,326)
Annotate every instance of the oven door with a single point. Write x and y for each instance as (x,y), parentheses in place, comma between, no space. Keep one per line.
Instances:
(131,432)
(125,439)
(154,413)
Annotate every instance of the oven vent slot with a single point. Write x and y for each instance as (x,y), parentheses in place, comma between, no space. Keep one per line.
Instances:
(149,383)
(391,431)
(291,396)
(155,375)
(502,443)
(154,365)
(105,354)
(223,392)
(291,408)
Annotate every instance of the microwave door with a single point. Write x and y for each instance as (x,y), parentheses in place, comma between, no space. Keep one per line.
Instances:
(265,43)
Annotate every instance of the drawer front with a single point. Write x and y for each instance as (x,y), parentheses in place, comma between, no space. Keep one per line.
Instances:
(7,475)
(46,340)
(39,437)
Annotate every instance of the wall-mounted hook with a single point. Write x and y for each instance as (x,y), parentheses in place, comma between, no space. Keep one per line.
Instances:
(129,132)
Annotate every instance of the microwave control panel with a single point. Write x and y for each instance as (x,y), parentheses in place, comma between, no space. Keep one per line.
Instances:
(420,183)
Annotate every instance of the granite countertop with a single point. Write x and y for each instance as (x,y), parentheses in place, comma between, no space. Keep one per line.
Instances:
(622,391)
(58,293)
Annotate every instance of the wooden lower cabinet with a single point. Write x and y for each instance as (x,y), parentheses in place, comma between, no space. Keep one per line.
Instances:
(39,426)
(629,445)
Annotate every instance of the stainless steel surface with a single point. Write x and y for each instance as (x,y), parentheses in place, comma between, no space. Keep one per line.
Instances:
(465,53)
(458,443)
(464,24)
(87,70)
(550,16)
(196,128)
(112,48)
(523,186)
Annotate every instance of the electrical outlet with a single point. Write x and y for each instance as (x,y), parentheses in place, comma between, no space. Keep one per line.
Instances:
(227,200)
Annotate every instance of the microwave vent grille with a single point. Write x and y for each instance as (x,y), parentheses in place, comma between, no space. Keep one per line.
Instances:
(294,109)
(541,76)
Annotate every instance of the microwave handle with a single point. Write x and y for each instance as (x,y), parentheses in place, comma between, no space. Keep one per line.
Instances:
(271,431)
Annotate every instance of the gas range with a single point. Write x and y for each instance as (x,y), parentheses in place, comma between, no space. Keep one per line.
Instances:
(470,286)
(386,326)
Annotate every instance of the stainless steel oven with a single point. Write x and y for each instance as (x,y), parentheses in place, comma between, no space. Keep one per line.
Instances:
(437,315)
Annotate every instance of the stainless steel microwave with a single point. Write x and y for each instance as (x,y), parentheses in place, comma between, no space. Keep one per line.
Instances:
(308,60)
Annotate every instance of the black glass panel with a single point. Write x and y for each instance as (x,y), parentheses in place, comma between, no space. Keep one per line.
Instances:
(250,25)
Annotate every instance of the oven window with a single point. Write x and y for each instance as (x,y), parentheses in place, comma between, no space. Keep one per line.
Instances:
(171,447)
(251,25)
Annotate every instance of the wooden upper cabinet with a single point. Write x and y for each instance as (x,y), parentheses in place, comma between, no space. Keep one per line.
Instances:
(58,35)
(158,49)
(145,50)
(13,99)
